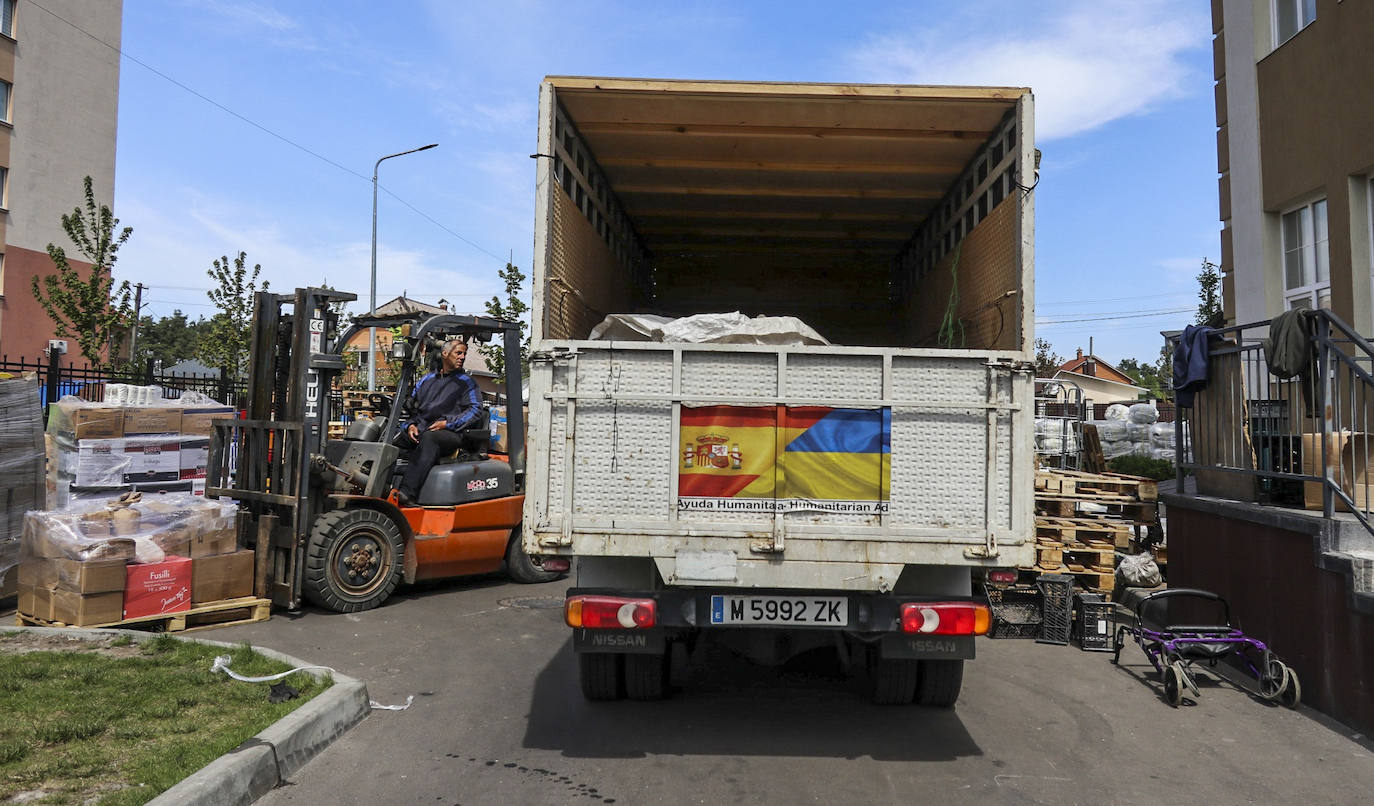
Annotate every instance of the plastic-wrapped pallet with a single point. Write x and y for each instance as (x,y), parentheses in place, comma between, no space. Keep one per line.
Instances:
(133,528)
(21,465)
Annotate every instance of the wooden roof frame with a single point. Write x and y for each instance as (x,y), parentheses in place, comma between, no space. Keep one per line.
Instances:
(855,149)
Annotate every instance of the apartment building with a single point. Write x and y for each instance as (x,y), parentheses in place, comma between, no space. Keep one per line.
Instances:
(59,101)
(1295,154)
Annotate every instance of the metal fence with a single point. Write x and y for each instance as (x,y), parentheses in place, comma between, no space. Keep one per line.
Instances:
(1302,441)
(57,379)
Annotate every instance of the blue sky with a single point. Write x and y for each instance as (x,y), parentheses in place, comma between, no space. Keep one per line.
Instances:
(258,124)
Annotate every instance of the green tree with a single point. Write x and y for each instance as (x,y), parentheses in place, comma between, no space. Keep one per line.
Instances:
(229,337)
(1047,362)
(92,309)
(512,310)
(170,339)
(1146,375)
(1209,310)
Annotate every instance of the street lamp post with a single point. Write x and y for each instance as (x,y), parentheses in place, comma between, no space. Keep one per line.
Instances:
(372,299)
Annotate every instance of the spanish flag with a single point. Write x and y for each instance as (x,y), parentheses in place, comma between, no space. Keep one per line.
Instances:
(792,454)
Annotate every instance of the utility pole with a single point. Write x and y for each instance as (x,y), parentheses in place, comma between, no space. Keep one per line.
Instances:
(138,313)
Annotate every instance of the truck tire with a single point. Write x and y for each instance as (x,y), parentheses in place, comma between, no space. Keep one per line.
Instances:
(521,568)
(646,676)
(939,682)
(894,681)
(353,560)
(601,674)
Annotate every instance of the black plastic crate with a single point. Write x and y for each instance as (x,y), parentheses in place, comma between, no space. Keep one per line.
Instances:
(1056,608)
(1015,613)
(1093,622)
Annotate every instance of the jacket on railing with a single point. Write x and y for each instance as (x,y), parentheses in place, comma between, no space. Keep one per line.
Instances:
(1190,363)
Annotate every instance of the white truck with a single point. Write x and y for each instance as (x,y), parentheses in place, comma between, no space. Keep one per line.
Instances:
(780,498)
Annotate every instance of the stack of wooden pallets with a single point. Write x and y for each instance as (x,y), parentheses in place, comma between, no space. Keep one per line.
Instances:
(1083,519)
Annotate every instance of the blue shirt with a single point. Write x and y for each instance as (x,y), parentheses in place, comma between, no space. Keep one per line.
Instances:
(453,398)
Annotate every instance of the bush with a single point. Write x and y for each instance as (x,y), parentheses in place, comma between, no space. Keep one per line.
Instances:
(1130,465)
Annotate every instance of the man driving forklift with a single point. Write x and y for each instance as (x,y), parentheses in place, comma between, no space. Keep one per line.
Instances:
(443,403)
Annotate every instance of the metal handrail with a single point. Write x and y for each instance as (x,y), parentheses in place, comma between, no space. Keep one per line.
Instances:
(1336,395)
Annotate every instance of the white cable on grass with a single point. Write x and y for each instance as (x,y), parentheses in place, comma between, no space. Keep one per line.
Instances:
(221,664)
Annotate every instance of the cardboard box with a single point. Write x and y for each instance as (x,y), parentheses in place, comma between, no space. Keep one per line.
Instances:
(91,576)
(213,543)
(195,456)
(86,609)
(34,601)
(58,535)
(73,420)
(154,589)
(124,461)
(198,421)
(1347,453)
(227,576)
(500,428)
(151,420)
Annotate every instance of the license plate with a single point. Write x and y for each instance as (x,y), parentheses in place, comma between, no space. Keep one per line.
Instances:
(829,611)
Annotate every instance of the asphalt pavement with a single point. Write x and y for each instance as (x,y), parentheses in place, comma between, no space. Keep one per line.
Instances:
(498,719)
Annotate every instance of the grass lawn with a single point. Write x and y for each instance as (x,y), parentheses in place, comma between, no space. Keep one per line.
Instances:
(114,722)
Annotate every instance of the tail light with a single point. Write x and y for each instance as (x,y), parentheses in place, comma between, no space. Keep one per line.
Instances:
(945,618)
(555,564)
(1003,576)
(609,612)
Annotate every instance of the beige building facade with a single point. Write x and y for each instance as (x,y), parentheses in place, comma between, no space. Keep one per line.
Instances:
(1295,156)
(60,105)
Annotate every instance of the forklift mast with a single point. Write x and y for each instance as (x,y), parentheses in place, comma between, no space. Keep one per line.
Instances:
(264,461)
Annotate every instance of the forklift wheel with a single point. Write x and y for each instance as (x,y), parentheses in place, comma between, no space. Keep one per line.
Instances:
(521,568)
(353,560)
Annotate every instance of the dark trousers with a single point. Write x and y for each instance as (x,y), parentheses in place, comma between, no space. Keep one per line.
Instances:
(433,444)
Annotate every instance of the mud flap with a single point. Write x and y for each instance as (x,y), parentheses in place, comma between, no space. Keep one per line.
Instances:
(947,647)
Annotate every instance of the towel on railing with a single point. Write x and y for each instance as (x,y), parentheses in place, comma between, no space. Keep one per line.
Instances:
(1190,363)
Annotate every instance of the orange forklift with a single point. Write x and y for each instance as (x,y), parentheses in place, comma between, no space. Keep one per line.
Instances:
(323,513)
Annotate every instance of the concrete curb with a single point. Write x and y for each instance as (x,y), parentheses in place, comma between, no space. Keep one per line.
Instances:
(267,760)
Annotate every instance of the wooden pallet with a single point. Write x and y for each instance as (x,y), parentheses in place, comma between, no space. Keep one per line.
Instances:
(1077,484)
(337,428)
(1091,579)
(1121,507)
(1093,460)
(230,612)
(1083,530)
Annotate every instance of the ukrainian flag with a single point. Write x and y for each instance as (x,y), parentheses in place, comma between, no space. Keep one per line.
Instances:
(835,454)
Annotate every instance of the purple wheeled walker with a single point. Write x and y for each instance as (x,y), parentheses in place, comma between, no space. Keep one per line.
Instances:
(1182,626)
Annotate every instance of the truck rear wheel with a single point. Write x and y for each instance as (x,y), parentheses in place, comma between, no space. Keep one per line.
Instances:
(894,681)
(939,682)
(601,674)
(646,676)
(353,560)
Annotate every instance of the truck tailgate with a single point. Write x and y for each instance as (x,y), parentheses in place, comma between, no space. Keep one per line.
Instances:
(911,456)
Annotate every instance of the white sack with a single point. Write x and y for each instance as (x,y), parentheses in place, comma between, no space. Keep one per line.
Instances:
(1116,411)
(709,328)
(1143,413)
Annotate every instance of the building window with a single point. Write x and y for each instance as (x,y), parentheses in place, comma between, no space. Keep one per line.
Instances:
(7,18)
(5,100)
(1291,16)
(1306,263)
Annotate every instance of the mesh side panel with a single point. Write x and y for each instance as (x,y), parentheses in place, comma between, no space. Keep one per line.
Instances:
(989,320)
(585,281)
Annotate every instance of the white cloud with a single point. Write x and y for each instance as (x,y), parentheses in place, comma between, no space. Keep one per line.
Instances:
(1089,64)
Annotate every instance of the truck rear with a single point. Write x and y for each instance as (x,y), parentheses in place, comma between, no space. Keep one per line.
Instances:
(782,496)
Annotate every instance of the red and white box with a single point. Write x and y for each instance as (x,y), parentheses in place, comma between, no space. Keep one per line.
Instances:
(154,589)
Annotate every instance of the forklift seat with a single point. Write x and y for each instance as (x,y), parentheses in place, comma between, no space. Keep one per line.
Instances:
(474,441)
